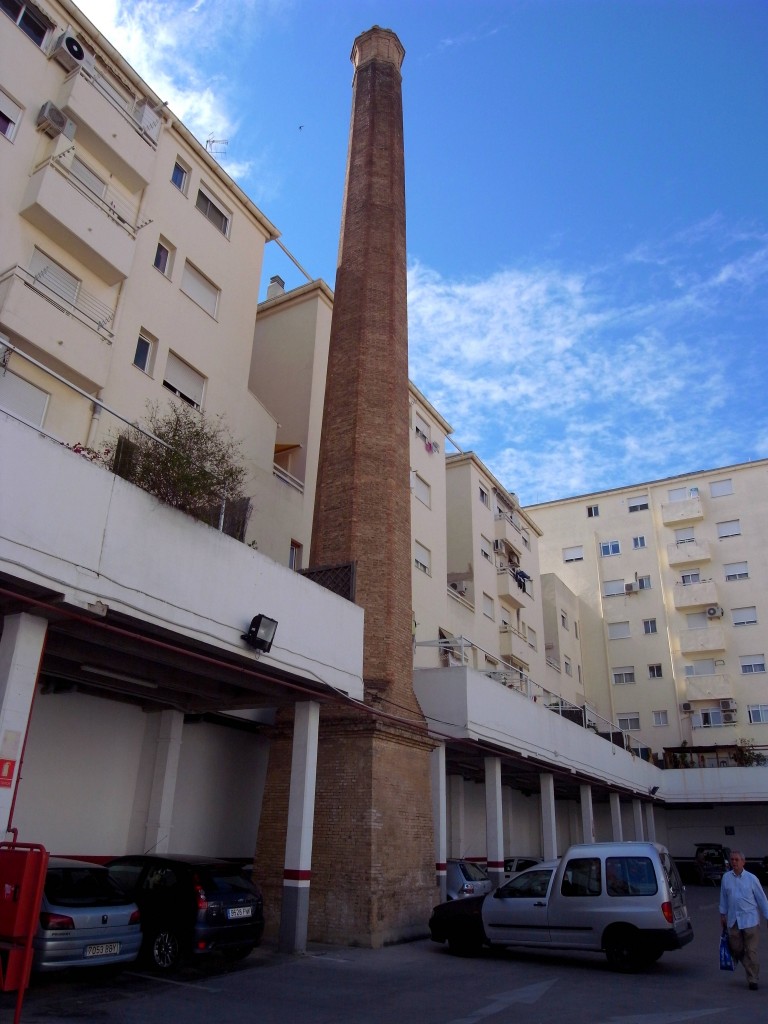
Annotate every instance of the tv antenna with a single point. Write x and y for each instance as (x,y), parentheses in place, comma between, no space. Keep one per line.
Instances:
(216,147)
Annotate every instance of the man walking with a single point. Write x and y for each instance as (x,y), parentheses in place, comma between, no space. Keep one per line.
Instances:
(741,896)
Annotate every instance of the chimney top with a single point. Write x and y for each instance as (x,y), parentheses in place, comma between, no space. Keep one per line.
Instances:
(276,286)
(377,44)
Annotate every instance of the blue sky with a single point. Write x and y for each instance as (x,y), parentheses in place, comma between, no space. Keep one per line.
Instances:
(587,206)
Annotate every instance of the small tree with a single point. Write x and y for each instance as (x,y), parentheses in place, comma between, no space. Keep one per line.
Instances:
(198,470)
(745,755)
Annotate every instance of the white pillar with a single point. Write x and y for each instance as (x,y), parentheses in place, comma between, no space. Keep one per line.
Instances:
(548,818)
(21,650)
(456,818)
(157,837)
(618,833)
(494,833)
(650,822)
(439,817)
(587,814)
(301,818)
(637,815)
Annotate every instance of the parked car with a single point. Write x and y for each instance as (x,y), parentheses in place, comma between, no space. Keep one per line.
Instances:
(514,865)
(191,906)
(711,862)
(625,899)
(465,878)
(86,920)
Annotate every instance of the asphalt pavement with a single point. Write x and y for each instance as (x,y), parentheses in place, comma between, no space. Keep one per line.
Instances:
(414,982)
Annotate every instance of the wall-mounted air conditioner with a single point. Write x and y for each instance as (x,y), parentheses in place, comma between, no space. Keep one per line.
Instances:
(729,717)
(631,588)
(68,52)
(727,704)
(715,612)
(459,587)
(686,706)
(55,122)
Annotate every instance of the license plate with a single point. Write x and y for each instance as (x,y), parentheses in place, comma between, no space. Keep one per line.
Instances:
(239,912)
(103,949)
(679,914)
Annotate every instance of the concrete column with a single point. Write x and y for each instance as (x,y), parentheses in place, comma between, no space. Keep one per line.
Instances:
(618,832)
(301,818)
(650,822)
(457,829)
(440,817)
(637,816)
(21,651)
(587,814)
(548,818)
(494,832)
(157,837)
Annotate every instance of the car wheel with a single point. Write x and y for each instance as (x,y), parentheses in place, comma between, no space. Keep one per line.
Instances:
(623,950)
(238,953)
(165,950)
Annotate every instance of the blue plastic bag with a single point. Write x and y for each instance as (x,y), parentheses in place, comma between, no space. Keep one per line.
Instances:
(726,960)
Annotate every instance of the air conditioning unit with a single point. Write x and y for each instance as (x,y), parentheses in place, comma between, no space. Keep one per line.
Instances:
(715,612)
(686,706)
(631,588)
(55,122)
(460,587)
(729,717)
(68,52)
(727,704)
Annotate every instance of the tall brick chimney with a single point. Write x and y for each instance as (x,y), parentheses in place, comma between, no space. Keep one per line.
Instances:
(373,873)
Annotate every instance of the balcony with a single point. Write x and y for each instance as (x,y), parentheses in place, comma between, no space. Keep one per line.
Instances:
(710,638)
(111,127)
(685,511)
(688,553)
(695,595)
(99,231)
(75,334)
(508,528)
(513,588)
(716,686)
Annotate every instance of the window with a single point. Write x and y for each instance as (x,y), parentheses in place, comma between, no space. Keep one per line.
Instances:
(164,255)
(488,609)
(687,578)
(31,22)
(629,721)
(144,355)
(638,504)
(618,630)
(644,582)
(10,114)
(611,588)
(708,717)
(649,626)
(295,556)
(758,714)
(54,277)
(677,494)
(89,178)
(744,616)
(654,671)
(638,542)
(684,535)
(422,558)
(484,496)
(751,663)
(422,490)
(567,665)
(660,718)
(729,528)
(609,547)
(486,549)
(214,214)
(696,620)
(736,571)
(532,639)
(184,381)
(624,675)
(717,488)
(180,176)
(23,399)
(200,289)
(576,629)
(421,428)
(593,511)
(563,619)
(526,539)
(703,667)
(574,554)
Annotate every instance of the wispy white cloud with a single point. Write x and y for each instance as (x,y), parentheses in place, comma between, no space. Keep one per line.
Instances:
(563,382)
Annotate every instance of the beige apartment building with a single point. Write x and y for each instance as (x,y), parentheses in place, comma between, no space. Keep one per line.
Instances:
(670,579)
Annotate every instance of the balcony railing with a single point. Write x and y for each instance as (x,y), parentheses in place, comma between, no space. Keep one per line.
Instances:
(57,288)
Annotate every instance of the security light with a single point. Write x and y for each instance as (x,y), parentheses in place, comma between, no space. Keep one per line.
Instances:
(261,633)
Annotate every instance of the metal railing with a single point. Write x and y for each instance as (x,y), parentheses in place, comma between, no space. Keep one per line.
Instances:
(57,287)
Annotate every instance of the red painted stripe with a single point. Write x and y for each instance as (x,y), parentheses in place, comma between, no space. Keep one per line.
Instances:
(296,875)
(441,866)
(495,865)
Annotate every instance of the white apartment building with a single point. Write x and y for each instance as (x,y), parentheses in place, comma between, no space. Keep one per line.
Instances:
(670,577)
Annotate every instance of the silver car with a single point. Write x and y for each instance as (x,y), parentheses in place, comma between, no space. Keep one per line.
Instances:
(465,878)
(85,919)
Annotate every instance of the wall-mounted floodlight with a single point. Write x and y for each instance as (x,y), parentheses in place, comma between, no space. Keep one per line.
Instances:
(261,633)
(653,790)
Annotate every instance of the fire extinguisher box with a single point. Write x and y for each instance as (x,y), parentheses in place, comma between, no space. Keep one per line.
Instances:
(22,872)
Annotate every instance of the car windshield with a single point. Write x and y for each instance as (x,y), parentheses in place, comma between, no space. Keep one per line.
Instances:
(225,880)
(529,884)
(473,872)
(82,887)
